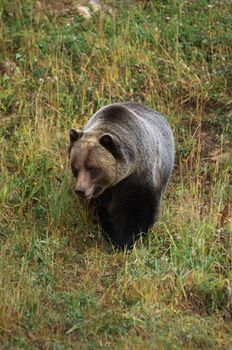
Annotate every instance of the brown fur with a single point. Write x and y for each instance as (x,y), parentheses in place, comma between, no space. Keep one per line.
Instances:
(123,157)
(89,156)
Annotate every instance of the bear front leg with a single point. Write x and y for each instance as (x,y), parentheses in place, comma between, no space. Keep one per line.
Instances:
(130,218)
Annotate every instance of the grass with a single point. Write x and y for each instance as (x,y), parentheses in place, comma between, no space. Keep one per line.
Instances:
(59,287)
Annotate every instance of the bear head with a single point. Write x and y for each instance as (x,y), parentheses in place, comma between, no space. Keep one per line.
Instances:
(98,161)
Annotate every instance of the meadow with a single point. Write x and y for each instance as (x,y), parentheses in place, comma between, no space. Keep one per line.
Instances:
(59,286)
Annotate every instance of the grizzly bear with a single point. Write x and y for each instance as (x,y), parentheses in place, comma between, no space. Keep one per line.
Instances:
(122,160)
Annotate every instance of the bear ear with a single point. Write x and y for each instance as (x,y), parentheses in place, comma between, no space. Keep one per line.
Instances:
(111,145)
(74,135)
(106,140)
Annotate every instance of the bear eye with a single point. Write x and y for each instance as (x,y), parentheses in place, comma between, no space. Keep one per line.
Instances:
(75,171)
(89,168)
(93,171)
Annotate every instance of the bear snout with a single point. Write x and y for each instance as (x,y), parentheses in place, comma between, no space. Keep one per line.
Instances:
(80,192)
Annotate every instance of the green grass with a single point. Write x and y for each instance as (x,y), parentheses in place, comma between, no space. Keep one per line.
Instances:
(59,288)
